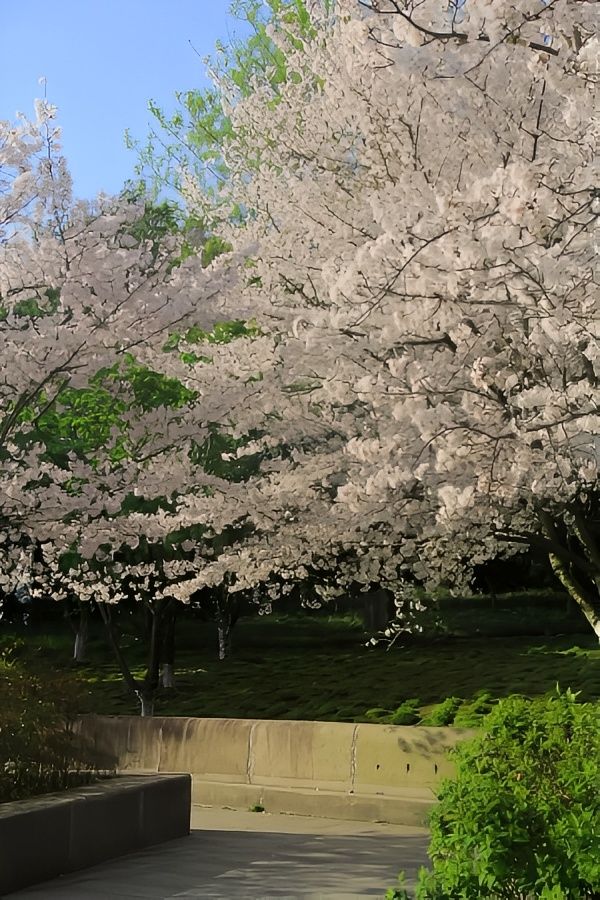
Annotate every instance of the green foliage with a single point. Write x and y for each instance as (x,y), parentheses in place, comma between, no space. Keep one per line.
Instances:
(222,333)
(38,749)
(522,817)
(378,714)
(399,892)
(209,455)
(33,307)
(83,421)
(195,137)
(80,421)
(151,389)
(213,247)
(470,714)
(443,713)
(407,713)
(157,221)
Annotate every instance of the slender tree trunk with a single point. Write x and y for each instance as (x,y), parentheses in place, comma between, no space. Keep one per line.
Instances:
(147,695)
(128,678)
(81,633)
(224,633)
(146,703)
(167,678)
(226,615)
(144,691)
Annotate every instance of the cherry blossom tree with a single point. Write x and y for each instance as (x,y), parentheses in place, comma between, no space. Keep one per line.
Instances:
(90,302)
(90,296)
(424,199)
(80,294)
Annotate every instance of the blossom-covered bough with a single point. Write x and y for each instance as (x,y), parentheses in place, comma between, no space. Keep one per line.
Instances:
(424,197)
(84,296)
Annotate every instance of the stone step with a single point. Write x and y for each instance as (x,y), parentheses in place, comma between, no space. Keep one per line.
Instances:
(404,807)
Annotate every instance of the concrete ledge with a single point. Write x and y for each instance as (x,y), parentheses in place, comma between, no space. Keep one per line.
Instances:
(59,833)
(407,808)
(341,770)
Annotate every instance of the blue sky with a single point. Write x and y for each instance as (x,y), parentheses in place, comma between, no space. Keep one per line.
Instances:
(103,60)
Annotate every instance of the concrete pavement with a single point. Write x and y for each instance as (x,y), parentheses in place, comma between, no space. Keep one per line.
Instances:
(234,854)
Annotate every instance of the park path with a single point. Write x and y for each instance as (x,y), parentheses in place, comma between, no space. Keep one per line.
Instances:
(257,856)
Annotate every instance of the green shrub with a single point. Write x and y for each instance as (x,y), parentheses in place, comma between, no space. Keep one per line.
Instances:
(407,713)
(521,819)
(399,892)
(443,713)
(378,714)
(38,749)
(471,713)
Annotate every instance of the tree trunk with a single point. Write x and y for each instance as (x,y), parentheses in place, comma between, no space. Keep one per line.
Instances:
(167,676)
(226,614)
(578,572)
(224,634)
(81,634)
(146,703)
(156,610)
(128,678)
(144,691)
(582,597)
(167,679)
(377,612)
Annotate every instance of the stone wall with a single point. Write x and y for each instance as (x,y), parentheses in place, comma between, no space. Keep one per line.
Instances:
(354,771)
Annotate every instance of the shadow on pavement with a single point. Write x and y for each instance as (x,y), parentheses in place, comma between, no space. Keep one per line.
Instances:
(222,865)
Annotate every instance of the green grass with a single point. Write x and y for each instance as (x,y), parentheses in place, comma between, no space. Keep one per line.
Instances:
(318,668)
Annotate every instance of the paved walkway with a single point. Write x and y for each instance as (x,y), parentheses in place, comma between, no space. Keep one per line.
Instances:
(256,856)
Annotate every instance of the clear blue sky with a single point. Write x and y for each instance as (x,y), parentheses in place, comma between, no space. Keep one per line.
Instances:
(103,60)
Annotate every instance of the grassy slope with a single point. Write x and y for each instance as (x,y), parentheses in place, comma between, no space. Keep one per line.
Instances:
(320,669)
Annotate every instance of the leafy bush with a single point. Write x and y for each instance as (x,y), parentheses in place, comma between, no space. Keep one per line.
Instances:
(407,713)
(443,713)
(471,714)
(522,817)
(378,714)
(38,749)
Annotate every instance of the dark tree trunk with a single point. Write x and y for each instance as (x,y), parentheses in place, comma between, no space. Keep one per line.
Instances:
(224,634)
(143,690)
(81,633)
(167,677)
(227,611)
(575,560)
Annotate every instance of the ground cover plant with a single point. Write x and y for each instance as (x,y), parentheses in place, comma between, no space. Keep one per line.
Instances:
(318,667)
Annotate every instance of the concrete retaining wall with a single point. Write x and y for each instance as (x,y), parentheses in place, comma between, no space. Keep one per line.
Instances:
(59,833)
(364,772)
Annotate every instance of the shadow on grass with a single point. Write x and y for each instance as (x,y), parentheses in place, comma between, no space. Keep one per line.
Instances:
(322,670)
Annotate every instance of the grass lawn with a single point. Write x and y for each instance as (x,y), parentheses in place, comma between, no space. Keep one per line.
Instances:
(319,668)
